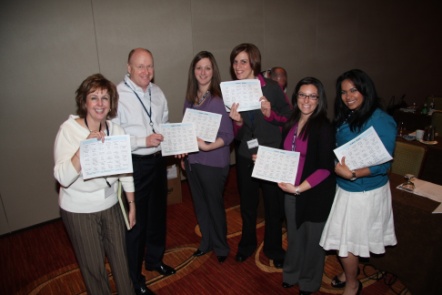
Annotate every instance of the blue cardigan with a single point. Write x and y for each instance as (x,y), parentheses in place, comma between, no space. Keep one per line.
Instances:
(385,127)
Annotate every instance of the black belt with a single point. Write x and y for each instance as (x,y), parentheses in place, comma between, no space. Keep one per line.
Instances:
(145,157)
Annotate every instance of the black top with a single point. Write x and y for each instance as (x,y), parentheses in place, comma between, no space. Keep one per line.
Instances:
(255,126)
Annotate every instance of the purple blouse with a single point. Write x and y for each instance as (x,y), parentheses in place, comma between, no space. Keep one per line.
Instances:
(219,157)
(301,146)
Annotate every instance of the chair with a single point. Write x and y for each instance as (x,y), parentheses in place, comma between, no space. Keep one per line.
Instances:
(437,102)
(408,159)
(436,121)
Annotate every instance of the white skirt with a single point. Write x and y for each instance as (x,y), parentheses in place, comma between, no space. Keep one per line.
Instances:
(360,223)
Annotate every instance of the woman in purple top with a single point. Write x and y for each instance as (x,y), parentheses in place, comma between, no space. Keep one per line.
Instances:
(307,201)
(207,170)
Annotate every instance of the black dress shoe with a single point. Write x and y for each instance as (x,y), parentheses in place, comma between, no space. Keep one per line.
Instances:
(164,269)
(144,291)
(278,263)
(199,253)
(286,285)
(241,257)
(221,259)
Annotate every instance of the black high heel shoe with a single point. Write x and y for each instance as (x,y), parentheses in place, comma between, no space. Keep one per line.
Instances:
(337,283)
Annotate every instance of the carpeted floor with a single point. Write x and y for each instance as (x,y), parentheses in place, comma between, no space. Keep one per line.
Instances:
(40,260)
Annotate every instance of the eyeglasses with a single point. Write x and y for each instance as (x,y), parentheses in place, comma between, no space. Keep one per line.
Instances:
(309,96)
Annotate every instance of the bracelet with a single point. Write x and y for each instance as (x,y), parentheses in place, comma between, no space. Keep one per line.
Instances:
(130,202)
(297,192)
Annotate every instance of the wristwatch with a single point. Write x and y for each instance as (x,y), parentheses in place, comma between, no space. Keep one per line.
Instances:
(353,175)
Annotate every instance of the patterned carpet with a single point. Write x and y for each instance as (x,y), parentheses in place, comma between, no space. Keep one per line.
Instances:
(67,280)
(40,261)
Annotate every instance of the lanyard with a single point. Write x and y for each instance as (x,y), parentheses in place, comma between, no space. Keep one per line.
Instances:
(294,138)
(149,114)
(107,127)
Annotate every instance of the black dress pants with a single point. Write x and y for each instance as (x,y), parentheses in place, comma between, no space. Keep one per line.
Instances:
(149,234)
(273,208)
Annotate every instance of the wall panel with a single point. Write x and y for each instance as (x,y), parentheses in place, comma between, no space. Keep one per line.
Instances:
(163,27)
(218,26)
(48,47)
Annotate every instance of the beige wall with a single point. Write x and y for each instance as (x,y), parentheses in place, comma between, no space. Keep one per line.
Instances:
(49,46)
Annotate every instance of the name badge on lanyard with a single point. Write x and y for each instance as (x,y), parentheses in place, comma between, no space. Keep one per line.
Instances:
(108,191)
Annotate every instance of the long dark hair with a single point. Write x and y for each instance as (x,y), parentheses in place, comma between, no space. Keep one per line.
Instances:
(318,115)
(365,86)
(192,83)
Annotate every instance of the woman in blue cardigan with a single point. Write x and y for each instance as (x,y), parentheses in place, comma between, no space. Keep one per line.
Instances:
(361,219)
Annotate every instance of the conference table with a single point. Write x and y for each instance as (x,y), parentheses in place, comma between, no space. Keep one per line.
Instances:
(417,257)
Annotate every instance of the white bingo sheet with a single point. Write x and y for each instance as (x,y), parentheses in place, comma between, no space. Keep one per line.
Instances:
(111,157)
(206,123)
(246,92)
(179,138)
(276,165)
(365,150)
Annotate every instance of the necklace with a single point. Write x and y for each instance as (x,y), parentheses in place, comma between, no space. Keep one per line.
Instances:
(203,98)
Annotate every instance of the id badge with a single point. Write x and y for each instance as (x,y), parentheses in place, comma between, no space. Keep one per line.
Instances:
(253,143)
(108,191)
